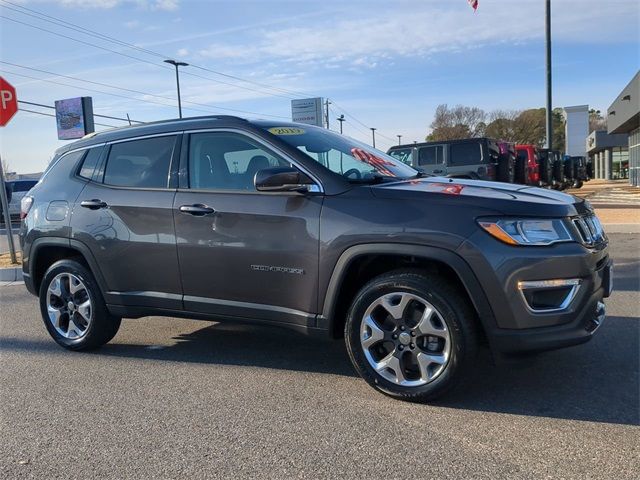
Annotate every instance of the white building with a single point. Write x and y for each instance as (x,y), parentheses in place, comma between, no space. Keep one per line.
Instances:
(576,130)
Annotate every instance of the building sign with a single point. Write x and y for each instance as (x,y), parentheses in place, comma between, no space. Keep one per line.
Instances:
(74,117)
(307,110)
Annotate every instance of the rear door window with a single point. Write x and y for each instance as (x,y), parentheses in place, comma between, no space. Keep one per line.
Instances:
(431,155)
(140,163)
(467,153)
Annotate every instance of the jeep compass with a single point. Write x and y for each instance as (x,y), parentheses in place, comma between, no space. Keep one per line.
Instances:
(225,219)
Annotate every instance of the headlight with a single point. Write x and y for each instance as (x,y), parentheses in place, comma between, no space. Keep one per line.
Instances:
(536,231)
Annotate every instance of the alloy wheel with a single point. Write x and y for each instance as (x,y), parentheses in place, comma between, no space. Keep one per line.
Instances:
(405,339)
(69,306)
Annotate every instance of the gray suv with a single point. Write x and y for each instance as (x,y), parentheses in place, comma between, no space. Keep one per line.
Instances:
(224,219)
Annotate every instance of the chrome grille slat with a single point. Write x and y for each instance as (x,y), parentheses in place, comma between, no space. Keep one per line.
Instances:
(589,229)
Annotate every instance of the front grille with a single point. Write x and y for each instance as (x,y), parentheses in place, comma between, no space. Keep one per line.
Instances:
(589,229)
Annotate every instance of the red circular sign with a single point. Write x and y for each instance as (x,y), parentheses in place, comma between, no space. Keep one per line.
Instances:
(8,102)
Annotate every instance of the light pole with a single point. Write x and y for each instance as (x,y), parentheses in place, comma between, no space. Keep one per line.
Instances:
(548,45)
(399,137)
(373,135)
(178,64)
(340,119)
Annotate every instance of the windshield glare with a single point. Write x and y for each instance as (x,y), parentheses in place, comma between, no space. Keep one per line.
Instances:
(354,160)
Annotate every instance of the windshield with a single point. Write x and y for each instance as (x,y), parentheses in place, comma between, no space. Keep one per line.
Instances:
(354,160)
(404,155)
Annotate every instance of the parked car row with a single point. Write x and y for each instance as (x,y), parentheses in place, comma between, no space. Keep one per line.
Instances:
(494,160)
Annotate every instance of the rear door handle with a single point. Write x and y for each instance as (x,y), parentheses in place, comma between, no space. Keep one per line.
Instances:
(438,171)
(197,210)
(93,204)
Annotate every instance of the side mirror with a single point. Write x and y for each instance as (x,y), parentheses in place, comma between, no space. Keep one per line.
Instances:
(282,179)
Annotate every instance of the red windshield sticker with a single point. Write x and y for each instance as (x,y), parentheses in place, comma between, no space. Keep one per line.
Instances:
(449,188)
(378,163)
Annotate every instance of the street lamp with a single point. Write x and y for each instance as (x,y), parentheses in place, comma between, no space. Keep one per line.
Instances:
(373,135)
(399,137)
(341,119)
(178,64)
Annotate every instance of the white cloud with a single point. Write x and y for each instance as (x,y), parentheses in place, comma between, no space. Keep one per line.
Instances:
(183,52)
(418,30)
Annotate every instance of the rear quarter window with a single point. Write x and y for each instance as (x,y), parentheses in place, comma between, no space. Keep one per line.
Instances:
(468,153)
(90,162)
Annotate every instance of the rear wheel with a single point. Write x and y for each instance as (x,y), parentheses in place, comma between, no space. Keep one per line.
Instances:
(73,309)
(411,335)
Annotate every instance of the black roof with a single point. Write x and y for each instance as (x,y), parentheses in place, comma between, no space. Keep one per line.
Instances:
(153,128)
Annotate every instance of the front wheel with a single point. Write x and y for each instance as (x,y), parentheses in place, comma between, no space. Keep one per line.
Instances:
(73,309)
(411,335)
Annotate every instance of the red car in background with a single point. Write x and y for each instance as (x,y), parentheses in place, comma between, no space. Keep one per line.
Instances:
(527,165)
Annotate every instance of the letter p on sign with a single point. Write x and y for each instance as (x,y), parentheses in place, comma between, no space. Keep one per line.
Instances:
(8,102)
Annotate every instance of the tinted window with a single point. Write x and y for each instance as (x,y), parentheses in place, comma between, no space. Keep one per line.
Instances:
(404,155)
(23,186)
(468,153)
(340,154)
(90,162)
(140,163)
(227,161)
(433,155)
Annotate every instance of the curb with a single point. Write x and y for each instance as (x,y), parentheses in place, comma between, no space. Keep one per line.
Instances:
(11,274)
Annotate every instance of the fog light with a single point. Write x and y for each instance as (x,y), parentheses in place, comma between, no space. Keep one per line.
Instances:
(546,296)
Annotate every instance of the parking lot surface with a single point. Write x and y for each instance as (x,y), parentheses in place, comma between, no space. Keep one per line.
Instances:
(172,398)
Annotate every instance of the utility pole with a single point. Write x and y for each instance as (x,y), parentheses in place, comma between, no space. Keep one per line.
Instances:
(549,143)
(340,119)
(399,137)
(178,64)
(327,103)
(373,135)
(4,203)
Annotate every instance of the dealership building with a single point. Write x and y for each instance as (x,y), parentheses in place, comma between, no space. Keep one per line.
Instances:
(623,117)
(609,154)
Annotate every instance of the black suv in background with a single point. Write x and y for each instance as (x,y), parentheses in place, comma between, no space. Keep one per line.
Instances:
(220,218)
(472,158)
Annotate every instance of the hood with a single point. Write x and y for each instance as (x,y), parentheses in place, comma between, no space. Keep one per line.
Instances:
(504,198)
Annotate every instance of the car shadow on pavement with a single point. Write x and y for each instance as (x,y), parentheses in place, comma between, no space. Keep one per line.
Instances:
(246,345)
(597,381)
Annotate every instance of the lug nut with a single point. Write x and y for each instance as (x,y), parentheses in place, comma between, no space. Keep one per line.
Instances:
(394,336)
(413,334)
(400,347)
(402,327)
(412,346)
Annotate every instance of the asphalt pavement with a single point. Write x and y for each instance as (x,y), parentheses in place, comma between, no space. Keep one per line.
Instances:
(172,398)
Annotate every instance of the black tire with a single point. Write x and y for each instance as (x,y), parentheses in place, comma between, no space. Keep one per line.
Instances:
(103,326)
(453,308)
(506,170)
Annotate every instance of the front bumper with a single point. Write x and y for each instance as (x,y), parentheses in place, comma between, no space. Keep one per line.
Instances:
(500,268)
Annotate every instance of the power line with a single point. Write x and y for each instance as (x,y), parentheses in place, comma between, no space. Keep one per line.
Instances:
(51,115)
(139,92)
(141,59)
(95,114)
(64,24)
(95,34)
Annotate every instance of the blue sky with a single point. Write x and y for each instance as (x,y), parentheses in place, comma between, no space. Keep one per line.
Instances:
(386,64)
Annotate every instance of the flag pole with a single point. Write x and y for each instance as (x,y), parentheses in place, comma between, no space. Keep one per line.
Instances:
(549,142)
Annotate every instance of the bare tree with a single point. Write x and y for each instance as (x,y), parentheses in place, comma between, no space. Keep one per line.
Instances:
(457,122)
(596,121)
(6,167)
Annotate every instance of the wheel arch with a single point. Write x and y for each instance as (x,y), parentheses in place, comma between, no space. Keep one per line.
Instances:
(46,251)
(339,293)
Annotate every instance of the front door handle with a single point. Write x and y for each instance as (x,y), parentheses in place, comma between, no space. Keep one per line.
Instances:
(93,204)
(197,210)
(438,171)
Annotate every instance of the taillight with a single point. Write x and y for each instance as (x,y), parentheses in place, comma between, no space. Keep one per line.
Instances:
(25,206)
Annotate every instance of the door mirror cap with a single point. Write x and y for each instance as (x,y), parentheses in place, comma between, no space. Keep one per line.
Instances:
(282,179)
